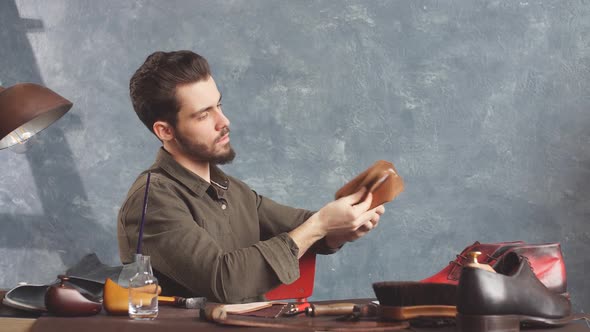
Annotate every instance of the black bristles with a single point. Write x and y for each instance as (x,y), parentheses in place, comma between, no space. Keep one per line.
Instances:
(404,293)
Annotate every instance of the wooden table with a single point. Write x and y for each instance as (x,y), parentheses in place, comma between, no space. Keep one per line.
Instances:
(178,320)
(169,319)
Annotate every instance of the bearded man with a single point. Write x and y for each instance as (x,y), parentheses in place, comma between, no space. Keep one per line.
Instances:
(207,233)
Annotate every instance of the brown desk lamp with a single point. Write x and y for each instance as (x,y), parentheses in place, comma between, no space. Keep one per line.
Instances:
(26,109)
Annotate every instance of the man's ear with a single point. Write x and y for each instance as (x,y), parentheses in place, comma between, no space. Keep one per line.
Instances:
(163,130)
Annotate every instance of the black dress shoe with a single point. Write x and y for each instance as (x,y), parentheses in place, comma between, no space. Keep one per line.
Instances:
(494,302)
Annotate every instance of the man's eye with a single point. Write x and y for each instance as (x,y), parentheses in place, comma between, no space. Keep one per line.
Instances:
(203,115)
(219,105)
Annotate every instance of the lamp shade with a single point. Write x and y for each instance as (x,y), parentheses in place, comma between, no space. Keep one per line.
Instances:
(26,109)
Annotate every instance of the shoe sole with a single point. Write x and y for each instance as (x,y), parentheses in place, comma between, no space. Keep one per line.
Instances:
(504,323)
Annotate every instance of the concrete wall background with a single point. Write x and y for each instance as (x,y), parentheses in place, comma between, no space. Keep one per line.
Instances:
(481,105)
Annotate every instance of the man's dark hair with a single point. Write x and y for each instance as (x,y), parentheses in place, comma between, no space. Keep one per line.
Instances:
(153,86)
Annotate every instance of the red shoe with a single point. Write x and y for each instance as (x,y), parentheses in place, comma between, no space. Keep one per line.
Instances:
(490,252)
(546,261)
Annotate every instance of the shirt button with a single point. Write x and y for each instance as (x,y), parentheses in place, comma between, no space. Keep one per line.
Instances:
(223,206)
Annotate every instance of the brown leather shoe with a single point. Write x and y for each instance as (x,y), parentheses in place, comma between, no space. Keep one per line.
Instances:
(490,302)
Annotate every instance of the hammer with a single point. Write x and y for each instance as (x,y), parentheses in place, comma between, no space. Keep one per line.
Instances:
(187,303)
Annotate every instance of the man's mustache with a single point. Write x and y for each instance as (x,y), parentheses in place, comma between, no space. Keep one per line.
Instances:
(224,131)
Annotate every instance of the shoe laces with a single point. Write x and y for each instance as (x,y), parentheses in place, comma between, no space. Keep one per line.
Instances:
(527,261)
(459,258)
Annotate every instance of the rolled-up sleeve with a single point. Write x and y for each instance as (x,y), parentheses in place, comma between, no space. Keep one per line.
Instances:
(281,253)
(276,218)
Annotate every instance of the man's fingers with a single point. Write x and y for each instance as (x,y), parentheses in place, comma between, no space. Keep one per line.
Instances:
(363,218)
(372,223)
(375,219)
(375,222)
(369,217)
(356,197)
(365,228)
(364,205)
(379,209)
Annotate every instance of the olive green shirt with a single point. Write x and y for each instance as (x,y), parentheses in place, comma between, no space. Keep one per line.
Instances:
(220,240)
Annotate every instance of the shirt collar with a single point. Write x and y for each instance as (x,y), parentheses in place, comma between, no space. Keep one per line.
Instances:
(192,181)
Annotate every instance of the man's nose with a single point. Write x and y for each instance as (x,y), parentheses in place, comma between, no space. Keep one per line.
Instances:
(222,120)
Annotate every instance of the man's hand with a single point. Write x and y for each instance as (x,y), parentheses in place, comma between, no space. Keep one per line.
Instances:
(345,214)
(337,239)
(345,219)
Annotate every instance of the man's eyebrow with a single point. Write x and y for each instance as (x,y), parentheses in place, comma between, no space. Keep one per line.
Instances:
(208,107)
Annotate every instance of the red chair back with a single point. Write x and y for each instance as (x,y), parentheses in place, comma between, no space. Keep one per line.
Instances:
(301,288)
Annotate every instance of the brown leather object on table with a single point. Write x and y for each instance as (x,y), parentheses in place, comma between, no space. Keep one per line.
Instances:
(64,300)
(381,179)
(216,313)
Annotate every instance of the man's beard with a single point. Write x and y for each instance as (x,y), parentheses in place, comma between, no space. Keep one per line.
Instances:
(200,151)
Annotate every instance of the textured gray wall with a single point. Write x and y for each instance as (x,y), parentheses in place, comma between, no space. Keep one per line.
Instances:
(481,105)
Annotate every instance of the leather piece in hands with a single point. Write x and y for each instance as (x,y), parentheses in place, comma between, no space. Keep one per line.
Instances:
(381,179)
